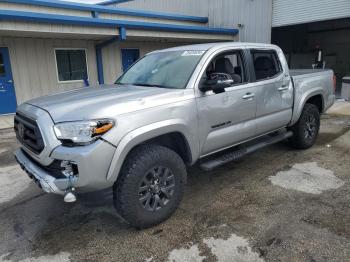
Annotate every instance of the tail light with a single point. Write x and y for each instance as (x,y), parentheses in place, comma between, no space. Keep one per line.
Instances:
(334,82)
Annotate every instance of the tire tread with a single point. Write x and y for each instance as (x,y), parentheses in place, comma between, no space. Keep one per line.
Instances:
(128,176)
(297,140)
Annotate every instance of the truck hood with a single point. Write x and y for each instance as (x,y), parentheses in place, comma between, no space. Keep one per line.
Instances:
(104,101)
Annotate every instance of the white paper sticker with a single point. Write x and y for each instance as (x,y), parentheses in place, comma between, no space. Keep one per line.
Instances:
(193,53)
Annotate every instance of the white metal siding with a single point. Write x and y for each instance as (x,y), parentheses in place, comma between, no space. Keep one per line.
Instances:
(43,9)
(286,12)
(34,67)
(72,29)
(186,7)
(255,15)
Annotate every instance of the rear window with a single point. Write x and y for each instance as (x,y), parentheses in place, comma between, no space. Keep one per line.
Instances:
(266,64)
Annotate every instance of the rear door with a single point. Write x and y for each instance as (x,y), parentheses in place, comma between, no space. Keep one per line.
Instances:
(8,102)
(274,93)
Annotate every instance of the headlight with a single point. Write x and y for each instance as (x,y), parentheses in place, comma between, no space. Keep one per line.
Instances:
(83,132)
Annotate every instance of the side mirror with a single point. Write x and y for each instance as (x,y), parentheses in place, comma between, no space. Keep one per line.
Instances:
(215,85)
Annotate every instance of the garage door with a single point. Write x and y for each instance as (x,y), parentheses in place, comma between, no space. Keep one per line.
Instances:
(286,12)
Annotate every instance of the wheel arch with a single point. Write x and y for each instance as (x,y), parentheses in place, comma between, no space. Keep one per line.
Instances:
(316,100)
(315,97)
(169,133)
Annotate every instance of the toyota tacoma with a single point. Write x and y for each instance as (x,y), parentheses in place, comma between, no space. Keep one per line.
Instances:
(207,104)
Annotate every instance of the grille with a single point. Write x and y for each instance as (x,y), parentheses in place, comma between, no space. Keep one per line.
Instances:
(28,133)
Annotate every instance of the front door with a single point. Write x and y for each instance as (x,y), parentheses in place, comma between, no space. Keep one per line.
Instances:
(129,56)
(7,92)
(226,118)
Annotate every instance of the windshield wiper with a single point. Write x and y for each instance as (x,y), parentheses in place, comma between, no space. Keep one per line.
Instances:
(151,85)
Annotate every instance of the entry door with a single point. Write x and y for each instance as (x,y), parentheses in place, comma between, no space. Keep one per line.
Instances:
(8,102)
(129,56)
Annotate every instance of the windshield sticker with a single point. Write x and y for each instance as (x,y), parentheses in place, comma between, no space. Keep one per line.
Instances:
(193,53)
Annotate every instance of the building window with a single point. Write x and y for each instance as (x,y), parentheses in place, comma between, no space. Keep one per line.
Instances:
(71,64)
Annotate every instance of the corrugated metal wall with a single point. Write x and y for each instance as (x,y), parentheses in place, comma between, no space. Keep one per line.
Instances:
(255,15)
(286,12)
(34,67)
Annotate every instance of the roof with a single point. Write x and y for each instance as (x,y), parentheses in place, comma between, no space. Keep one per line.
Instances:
(110,10)
(111,2)
(207,46)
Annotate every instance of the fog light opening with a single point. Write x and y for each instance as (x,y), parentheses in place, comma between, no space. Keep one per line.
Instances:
(69,168)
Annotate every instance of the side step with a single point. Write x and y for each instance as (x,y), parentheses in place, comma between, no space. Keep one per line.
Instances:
(239,153)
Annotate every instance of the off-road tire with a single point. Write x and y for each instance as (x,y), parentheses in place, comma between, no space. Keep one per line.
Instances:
(126,195)
(301,138)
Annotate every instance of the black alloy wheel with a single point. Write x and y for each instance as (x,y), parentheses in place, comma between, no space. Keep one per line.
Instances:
(156,188)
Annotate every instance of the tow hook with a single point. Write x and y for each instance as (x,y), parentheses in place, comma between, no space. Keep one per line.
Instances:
(69,196)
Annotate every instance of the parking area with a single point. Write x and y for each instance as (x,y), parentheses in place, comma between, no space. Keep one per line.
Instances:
(278,204)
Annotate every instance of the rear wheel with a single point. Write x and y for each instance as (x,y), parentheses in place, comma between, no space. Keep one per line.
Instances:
(305,131)
(150,186)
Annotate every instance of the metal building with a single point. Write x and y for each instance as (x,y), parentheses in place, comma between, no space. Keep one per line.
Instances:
(51,46)
(314,33)
(252,17)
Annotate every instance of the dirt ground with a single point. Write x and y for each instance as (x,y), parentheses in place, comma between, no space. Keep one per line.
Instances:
(278,204)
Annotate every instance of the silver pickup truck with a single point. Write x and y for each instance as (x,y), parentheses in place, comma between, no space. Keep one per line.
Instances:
(207,104)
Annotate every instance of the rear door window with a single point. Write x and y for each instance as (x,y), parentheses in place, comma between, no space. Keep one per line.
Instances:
(266,64)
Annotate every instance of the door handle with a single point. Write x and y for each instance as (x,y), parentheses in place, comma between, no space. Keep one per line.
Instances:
(283,88)
(248,96)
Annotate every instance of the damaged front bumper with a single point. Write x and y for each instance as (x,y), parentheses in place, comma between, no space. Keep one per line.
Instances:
(43,179)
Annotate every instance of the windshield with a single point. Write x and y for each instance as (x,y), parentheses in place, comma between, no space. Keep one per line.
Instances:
(170,69)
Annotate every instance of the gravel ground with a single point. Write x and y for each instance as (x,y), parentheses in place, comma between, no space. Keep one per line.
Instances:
(278,204)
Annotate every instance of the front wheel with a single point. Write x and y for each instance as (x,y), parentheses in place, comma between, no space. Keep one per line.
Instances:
(305,131)
(150,186)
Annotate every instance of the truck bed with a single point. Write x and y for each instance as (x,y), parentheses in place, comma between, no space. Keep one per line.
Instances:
(311,81)
(300,72)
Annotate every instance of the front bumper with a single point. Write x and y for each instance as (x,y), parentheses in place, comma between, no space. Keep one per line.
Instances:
(91,162)
(47,182)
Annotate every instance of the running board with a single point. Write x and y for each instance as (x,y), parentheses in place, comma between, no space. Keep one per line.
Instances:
(237,154)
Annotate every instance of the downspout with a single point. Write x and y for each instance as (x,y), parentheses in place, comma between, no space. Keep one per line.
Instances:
(100,46)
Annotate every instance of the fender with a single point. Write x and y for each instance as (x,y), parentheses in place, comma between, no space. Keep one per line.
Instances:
(300,100)
(145,133)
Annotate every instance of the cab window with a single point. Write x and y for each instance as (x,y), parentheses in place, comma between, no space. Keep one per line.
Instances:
(266,64)
(228,64)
